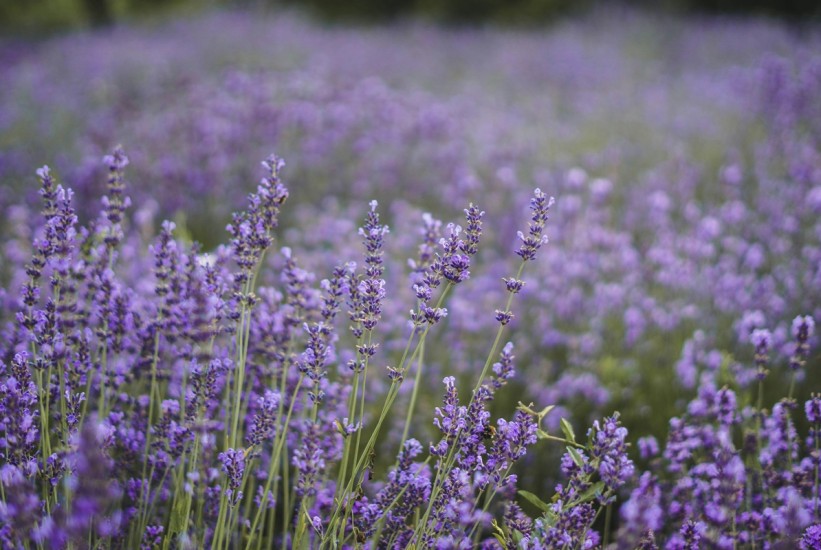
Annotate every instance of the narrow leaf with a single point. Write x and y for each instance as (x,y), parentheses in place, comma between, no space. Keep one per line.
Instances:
(535,501)
(577,458)
(592,491)
(568,430)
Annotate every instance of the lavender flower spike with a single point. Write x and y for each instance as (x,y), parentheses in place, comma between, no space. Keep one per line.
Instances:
(540,205)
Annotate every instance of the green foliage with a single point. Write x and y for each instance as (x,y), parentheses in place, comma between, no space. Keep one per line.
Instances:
(39,15)
(446,11)
(30,17)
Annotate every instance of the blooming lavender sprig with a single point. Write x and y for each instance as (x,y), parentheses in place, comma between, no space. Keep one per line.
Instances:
(761,340)
(473,456)
(251,230)
(454,266)
(312,361)
(20,512)
(115,202)
(233,466)
(309,461)
(510,444)
(407,488)
(802,330)
(449,418)
(431,233)
(263,425)
(451,265)
(610,451)
(568,519)
(19,434)
(473,230)
(540,205)
(811,537)
(371,289)
(54,248)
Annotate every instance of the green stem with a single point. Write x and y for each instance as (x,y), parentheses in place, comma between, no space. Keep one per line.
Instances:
(792,385)
(439,480)
(607,513)
(239,380)
(815,482)
(275,457)
(362,398)
(412,405)
(341,505)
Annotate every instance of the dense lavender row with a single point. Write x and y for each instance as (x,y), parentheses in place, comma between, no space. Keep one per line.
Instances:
(217,403)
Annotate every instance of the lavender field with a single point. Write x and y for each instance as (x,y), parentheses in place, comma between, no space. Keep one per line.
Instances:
(266,283)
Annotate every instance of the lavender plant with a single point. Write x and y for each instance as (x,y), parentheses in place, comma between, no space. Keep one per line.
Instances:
(208,407)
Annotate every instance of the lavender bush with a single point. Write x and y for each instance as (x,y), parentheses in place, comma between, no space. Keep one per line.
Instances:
(320,381)
(209,407)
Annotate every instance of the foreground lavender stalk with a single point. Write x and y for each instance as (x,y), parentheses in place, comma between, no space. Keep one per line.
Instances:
(539,206)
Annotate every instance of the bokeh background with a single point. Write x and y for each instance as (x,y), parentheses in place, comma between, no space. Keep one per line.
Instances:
(36,15)
(681,140)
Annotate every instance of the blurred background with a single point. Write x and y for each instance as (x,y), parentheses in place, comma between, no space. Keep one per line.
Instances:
(28,16)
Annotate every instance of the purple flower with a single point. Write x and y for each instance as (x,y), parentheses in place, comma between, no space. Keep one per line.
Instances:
(473,230)
(251,229)
(19,427)
(689,536)
(762,340)
(450,418)
(95,490)
(263,425)
(115,202)
(152,538)
(309,460)
(813,409)
(811,538)
(232,462)
(21,508)
(643,510)
(648,447)
(369,293)
(802,330)
(609,447)
(539,205)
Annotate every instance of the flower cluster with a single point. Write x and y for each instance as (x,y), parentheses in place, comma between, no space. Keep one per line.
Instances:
(731,474)
(127,401)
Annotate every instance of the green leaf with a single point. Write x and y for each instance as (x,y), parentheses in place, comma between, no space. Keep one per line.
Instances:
(592,491)
(535,501)
(499,533)
(577,458)
(541,434)
(568,430)
(496,527)
(544,412)
(538,414)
